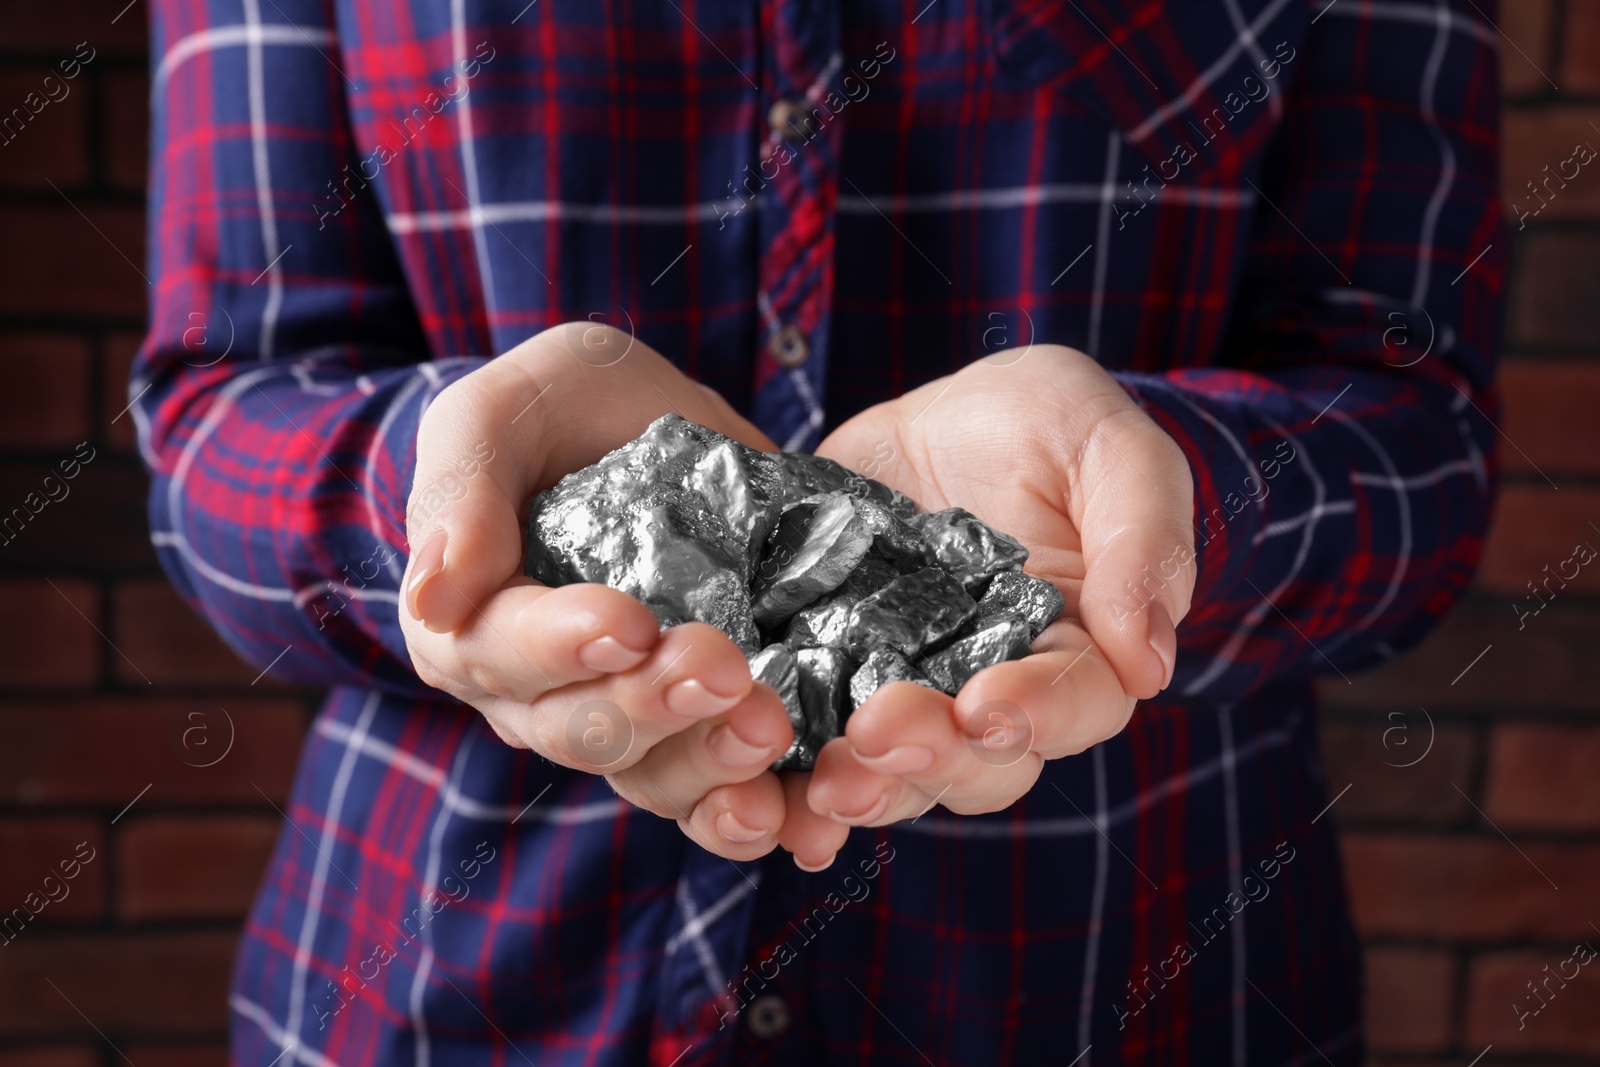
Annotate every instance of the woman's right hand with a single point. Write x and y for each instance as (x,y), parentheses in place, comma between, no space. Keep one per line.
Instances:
(583,674)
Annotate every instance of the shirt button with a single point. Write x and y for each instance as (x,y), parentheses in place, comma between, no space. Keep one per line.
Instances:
(790,120)
(767,1016)
(788,346)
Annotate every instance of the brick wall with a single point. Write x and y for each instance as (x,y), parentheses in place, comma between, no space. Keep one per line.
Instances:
(110,688)
(1472,818)
(1476,867)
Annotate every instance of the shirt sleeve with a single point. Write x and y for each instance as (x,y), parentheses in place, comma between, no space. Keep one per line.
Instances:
(278,392)
(1343,454)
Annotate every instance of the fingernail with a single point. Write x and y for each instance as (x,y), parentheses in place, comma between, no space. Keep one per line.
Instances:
(735,831)
(731,750)
(1163,641)
(693,700)
(428,562)
(824,865)
(872,814)
(610,656)
(902,759)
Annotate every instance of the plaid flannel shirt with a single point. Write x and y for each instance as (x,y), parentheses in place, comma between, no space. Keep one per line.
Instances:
(1274,220)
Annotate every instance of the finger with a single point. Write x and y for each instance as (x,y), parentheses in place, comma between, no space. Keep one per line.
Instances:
(1134,508)
(1055,703)
(814,840)
(676,773)
(848,793)
(529,639)
(694,674)
(462,550)
(739,822)
(910,733)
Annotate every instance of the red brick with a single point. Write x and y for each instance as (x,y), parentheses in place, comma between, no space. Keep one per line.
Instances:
(168,642)
(1533,538)
(104,751)
(1468,889)
(1552,291)
(66,267)
(45,402)
(52,144)
(96,518)
(205,868)
(1580,49)
(1543,777)
(127,127)
(1549,666)
(1549,413)
(54,30)
(119,352)
(1527,24)
(47,638)
(1536,138)
(1399,765)
(1410,999)
(177,1055)
(169,983)
(40,848)
(74,1056)
(1566,1022)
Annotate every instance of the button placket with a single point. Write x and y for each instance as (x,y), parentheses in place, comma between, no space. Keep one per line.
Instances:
(798,168)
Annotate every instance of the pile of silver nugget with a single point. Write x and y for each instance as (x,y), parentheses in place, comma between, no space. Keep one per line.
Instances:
(832,584)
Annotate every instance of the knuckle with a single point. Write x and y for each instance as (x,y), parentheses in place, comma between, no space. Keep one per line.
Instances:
(629,788)
(506,734)
(483,678)
(431,675)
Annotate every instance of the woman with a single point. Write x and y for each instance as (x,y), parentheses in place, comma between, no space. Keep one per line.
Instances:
(1193,299)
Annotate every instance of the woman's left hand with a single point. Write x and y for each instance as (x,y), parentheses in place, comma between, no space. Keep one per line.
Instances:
(1046,446)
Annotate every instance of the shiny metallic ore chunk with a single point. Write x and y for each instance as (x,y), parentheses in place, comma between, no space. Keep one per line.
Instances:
(664,546)
(994,640)
(806,475)
(824,677)
(1034,600)
(881,668)
(777,667)
(817,544)
(909,615)
(823,623)
(676,517)
(791,546)
(970,548)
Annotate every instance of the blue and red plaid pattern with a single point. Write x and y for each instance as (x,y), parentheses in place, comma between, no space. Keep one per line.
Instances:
(1274,220)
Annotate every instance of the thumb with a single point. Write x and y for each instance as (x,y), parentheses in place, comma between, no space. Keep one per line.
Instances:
(462,518)
(1133,504)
